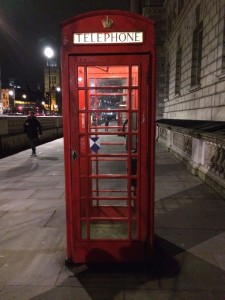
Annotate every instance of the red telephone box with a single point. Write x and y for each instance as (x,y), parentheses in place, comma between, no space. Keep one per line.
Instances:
(108,84)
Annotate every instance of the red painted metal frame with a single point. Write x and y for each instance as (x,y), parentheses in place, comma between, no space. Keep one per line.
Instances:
(92,22)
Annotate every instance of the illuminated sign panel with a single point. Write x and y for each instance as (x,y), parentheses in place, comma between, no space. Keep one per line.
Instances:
(108,38)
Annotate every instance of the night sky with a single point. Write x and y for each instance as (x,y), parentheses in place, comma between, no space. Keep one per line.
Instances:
(26,26)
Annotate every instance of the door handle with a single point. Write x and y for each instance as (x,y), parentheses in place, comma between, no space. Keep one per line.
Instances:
(73,154)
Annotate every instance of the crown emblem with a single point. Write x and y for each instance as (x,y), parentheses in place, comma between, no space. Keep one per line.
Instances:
(107,23)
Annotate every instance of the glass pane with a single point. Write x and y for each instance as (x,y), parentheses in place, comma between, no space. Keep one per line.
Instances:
(93,103)
(111,121)
(101,210)
(80,78)
(101,122)
(122,121)
(114,187)
(111,82)
(81,100)
(107,144)
(109,202)
(134,122)
(134,75)
(109,193)
(133,166)
(109,230)
(134,99)
(109,165)
(91,82)
(108,99)
(102,76)
(130,141)
(96,119)
(134,143)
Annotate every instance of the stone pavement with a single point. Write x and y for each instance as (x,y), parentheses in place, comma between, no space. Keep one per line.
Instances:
(189,260)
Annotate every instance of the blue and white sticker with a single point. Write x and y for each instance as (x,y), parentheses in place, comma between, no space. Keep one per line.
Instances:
(94,144)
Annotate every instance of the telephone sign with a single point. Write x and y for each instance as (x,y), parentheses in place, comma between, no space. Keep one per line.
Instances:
(108,37)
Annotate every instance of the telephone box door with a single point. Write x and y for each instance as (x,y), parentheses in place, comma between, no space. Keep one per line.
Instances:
(109,120)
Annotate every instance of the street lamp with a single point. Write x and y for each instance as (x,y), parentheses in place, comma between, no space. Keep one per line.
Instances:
(49,53)
(59,99)
(11,100)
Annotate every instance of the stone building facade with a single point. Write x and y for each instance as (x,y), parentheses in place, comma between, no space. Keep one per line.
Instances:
(195,58)
(190,85)
(190,39)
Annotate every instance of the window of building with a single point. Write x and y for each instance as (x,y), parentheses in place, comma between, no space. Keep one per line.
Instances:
(53,80)
(197,50)
(178,68)
(167,79)
(169,24)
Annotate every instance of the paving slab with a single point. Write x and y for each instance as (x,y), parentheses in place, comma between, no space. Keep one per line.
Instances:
(189,260)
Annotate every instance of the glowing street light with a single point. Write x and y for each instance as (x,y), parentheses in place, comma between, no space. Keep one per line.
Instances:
(48,52)
(11,100)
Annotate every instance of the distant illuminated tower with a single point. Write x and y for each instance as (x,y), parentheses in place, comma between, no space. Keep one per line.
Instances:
(52,79)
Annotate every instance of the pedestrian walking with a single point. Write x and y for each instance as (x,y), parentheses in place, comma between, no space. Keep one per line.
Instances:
(107,123)
(32,127)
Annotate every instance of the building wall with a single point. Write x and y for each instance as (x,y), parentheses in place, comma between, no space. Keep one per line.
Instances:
(5,98)
(157,14)
(153,9)
(205,100)
(192,83)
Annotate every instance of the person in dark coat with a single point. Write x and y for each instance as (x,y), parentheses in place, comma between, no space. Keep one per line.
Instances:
(32,127)
(107,123)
